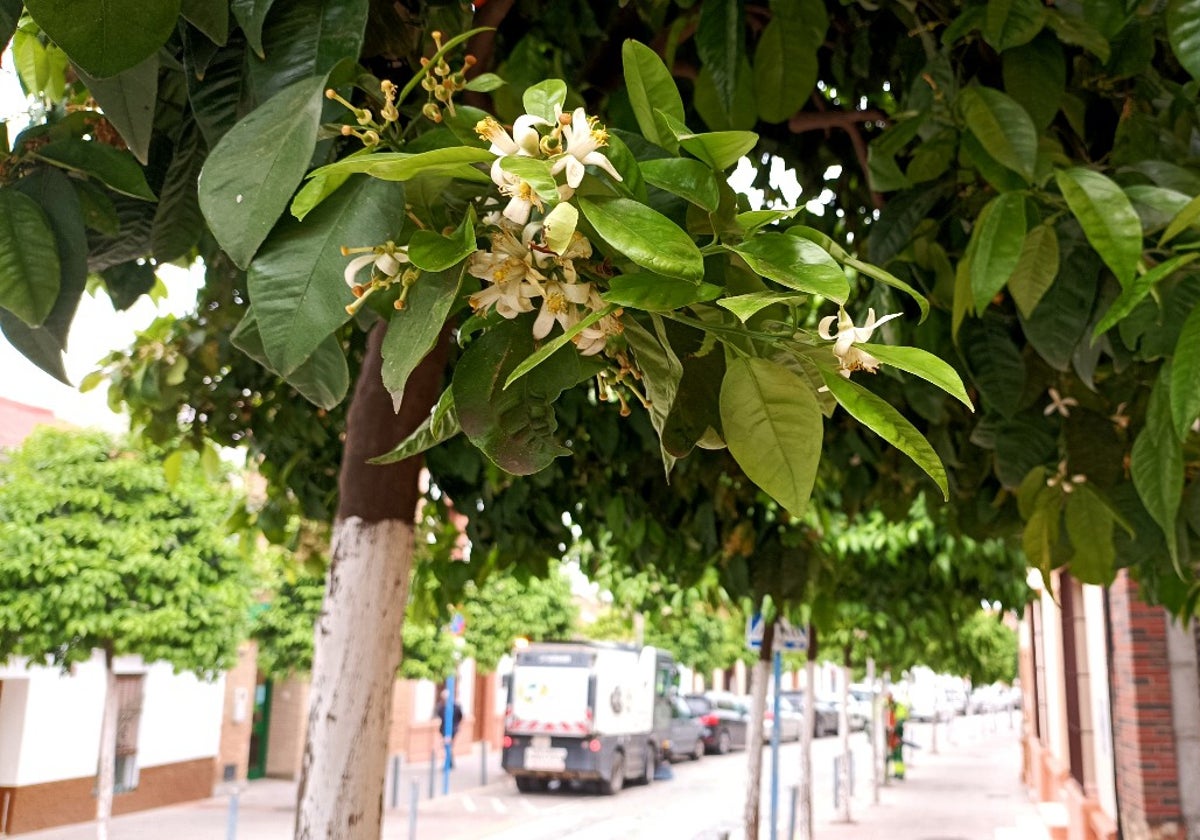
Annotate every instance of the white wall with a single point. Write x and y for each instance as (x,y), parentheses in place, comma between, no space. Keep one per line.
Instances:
(12,712)
(62,724)
(1052,659)
(1097,663)
(181,717)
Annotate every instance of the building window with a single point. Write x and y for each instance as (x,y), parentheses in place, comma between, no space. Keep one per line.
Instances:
(129,717)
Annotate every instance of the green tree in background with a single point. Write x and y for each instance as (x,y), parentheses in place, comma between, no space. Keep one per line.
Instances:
(101,551)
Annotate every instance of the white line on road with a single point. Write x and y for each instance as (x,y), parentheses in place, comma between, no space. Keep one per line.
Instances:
(469,805)
(498,806)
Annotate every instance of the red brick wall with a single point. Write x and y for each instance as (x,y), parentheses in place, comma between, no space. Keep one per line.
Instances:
(1143,733)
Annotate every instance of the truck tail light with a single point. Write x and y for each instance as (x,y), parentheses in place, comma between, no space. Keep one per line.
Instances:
(508,741)
(710,720)
(594,745)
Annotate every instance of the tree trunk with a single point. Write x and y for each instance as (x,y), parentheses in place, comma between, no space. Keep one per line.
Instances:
(874,724)
(844,734)
(358,634)
(810,720)
(106,770)
(759,678)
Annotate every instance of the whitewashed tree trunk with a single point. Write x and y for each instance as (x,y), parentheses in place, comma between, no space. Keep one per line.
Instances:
(844,735)
(759,677)
(358,649)
(875,730)
(107,762)
(805,817)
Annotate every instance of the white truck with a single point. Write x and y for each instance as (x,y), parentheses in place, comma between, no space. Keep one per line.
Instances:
(589,712)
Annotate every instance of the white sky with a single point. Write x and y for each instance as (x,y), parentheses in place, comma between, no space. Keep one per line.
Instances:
(97,329)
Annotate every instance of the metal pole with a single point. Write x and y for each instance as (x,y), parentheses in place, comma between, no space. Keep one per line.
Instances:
(448,734)
(792,813)
(777,668)
(231,825)
(395,782)
(483,762)
(432,771)
(414,794)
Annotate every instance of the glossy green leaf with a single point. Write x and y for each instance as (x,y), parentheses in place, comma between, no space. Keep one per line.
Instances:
(431,251)
(306,42)
(885,421)
(251,15)
(1036,268)
(1156,207)
(402,166)
(551,346)
(748,305)
(1012,23)
(323,378)
(1035,75)
(1185,384)
(644,236)
(888,279)
(1002,127)
(1072,29)
(104,40)
(295,281)
(485,83)
(54,193)
(651,89)
(535,172)
(1187,217)
(29,264)
(1135,292)
(413,331)
(689,179)
(127,99)
(924,364)
(719,149)
(773,426)
(113,167)
(558,227)
(785,60)
(999,236)
(178,222)
(661,374)
(1090,528)
(796,263)
(719,41)
(249,177)
(1183,31)
(36,344)
(32,64)
(10,14)
(1107,218)
(545,99)
(1056,327)
(319,185)
(1156,463)
(440,426)
(655,293)
(1039,538)
(994,363)
(209,16)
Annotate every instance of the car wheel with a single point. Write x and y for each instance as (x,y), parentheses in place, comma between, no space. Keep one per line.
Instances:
(724,743)
(698,752)
(616,778)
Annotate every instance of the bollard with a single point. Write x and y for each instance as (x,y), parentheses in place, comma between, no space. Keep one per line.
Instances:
(792,813)
(432,772)
(414,795)
(231,825)
(395,782)
(483,762)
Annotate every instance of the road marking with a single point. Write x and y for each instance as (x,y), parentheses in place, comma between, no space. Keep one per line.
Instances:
(528,806)
(498,806)
(469,805)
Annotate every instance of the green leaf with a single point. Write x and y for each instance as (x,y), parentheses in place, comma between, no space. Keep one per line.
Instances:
(209,16)
(655,293)
(10,14)
(559,227)
(440,426)
(719,149)
(106,40)
(1090,528)
(645,236)
(551,347)
(413,331)
(719,36)
(1039,538)
(323,379)
(1107,218)
(1185,384)
(545,99)
(999,237)
(55,194)
(924,364)
(1056,327)
(32,63)
(1156,463)
(250,15)
(773,426)
(29,263)
(1036,76)
(113,167)
(994,363)
(1185,218)
(1032,486)
(1183,31)
(1036,268)
(535,172)
(1002,127)
(295,282)
(661,375)
(688,179)
(306,42)
(401,166)
(888,279)
(1077,31)
(249,177)
(37,344)
(885,421)
(178,222)
(485,83)
(651,89)
(748,305)
(1133,294)
(431,251)
(1011,23)
(127,99)
(796,263)
(785,60)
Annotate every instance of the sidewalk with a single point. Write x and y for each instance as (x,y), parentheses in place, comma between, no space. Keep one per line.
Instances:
(264,807)
(969,790)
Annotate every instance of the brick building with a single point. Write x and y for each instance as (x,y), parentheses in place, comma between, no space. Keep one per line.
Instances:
(1112,713)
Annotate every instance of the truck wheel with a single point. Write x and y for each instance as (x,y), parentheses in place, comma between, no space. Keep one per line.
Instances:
(616,779)
(724,742)
(698,752)
(649,764)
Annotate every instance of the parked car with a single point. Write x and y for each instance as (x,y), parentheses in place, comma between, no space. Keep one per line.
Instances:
(791,720)
(860,710)
(687,733)
(726,720)
(825,717)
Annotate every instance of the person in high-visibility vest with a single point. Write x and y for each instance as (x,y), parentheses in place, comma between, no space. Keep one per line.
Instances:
(896,715)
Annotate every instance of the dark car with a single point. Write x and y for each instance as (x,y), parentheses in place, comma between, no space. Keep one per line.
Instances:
(726,720)
(686,738)
(825,717)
